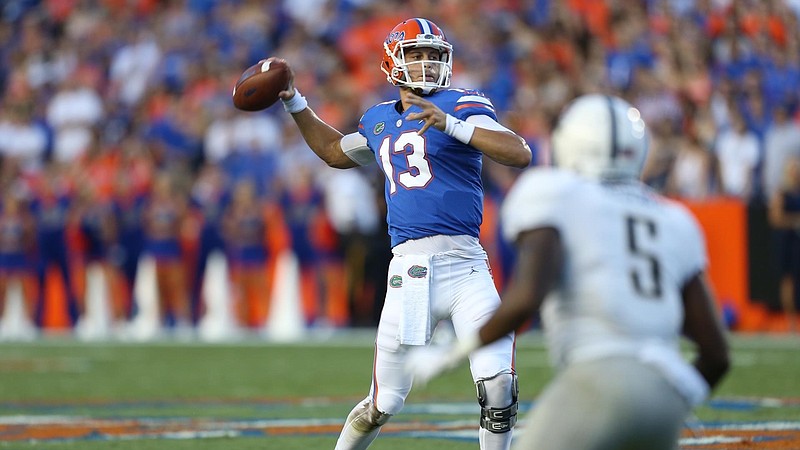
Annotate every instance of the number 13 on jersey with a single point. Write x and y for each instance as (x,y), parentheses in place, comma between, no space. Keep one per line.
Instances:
(417,173)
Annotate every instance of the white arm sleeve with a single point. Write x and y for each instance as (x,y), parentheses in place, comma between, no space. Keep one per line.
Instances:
(354,145)
(482,121)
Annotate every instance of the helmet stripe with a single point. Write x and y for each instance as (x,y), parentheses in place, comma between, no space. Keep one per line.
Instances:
(425,26)
(614,149)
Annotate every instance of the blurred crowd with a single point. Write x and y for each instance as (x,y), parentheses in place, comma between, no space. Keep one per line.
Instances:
(119,140)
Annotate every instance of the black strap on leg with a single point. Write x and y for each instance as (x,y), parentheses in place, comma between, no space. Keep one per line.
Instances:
(498,420)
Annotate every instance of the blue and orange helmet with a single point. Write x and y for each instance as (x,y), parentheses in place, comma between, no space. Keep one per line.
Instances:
(416,33)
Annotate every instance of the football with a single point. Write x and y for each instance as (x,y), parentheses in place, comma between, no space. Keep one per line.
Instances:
(259,85)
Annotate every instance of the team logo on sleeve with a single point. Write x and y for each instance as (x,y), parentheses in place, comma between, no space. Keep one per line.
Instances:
(416,271)
(396,281)
(378,128)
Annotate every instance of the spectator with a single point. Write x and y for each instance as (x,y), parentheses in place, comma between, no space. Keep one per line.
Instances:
(209,198)
(351,210)
(784,215)
(158,71)
(251,149)
(694,173)
(53,208)
(102,310)
(128,204)
(17,267)
(74,112)
(781,143)
(313,241)
(738,152)
(781,76)
(133,65)
(165,215)
(22,139)
(245,231)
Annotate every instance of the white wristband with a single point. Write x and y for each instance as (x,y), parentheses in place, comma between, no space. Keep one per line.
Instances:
(295,104)
(458,129)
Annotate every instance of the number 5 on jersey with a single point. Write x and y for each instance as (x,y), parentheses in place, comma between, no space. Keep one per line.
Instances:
(646,276)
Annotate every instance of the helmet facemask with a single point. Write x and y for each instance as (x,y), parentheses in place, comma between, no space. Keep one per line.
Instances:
(398,71)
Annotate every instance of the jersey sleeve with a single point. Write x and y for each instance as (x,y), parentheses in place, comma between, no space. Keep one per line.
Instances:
(693,255)
(471,103)
(535,201)
(361,125)
(356,147)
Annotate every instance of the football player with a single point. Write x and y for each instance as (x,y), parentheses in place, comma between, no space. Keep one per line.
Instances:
(430,144)
(619,274)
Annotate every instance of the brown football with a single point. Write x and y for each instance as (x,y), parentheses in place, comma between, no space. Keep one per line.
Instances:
(259,85)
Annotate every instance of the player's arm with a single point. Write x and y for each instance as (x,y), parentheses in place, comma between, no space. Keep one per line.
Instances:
(540,258)
(483,133)
(702,325)
(499,143)
(324,140)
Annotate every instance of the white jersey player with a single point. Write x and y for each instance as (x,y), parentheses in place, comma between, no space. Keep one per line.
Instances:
(618,272)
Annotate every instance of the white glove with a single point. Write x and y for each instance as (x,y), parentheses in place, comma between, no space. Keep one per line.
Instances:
(425,363)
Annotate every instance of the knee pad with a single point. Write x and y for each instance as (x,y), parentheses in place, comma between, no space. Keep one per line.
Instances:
(365,417)
(498,398)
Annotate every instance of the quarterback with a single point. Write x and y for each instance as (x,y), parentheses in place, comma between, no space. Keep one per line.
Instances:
(429,143)
(618,272)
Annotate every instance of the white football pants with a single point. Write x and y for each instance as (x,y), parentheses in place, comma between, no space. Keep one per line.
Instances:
(463,291)
(610,403)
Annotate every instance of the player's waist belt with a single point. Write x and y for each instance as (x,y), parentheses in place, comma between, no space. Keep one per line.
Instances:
(462,245)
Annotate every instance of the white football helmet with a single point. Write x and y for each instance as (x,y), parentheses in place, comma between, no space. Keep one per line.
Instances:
(600,137)
(413,33)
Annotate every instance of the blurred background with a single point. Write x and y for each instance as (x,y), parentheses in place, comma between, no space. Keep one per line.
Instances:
(138,203)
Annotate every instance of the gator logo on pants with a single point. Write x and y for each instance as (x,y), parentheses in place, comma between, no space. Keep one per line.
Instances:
(396,281)
(417,271)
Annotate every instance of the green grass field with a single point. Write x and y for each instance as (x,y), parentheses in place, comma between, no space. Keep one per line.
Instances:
(62,394)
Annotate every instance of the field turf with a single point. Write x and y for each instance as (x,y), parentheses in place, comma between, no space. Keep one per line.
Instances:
(57,393)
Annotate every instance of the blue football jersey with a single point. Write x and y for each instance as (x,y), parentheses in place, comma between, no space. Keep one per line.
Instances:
(433,182)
